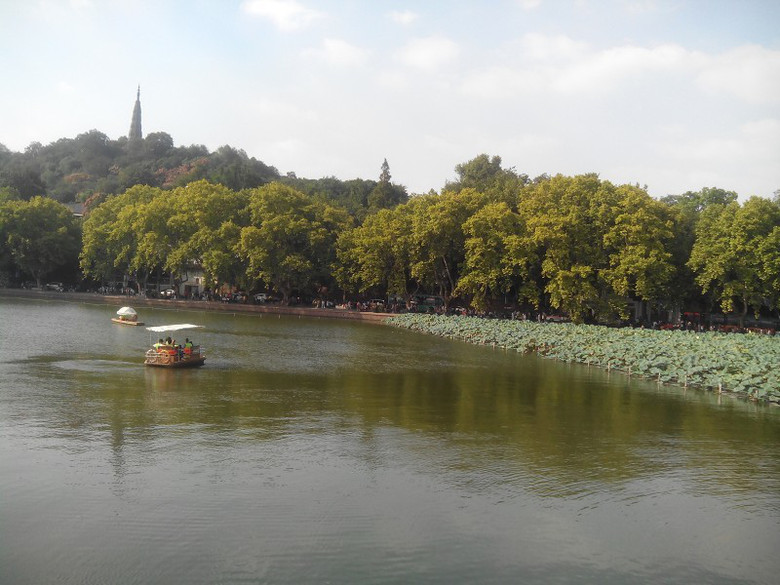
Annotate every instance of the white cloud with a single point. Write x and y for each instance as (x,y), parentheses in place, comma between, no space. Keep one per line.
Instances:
(768,128)
(750,73)
(502,82)
(393,79)
(541,47)
(65,88)
(696,161)
(557,63)
(404,17)
(428,53)
(287,15)
(339,52)
(280,113)
(561,65)
(641,7)
(529,4)
(604,70)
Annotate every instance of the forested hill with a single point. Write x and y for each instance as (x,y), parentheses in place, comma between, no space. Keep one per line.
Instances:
(92,166)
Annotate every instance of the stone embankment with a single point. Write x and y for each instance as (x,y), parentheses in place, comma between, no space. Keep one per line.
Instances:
(179,304)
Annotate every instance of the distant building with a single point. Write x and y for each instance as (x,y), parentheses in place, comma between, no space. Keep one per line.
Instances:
(77,208)
(135,125)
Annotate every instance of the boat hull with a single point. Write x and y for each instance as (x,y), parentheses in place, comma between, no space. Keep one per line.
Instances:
(126,322)
(188,363)
(157,359)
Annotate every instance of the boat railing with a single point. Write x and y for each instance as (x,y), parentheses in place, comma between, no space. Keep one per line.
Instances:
(196,351)
(168,355)
(158,357)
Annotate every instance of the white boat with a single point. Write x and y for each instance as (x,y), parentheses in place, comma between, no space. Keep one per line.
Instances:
(174,355)
(126,316)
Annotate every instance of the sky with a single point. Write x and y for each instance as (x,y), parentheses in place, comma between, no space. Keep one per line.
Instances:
(674,95)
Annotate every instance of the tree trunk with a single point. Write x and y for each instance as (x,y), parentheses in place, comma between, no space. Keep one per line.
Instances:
(743,313)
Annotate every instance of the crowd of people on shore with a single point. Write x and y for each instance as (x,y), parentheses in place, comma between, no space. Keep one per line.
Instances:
(693,322)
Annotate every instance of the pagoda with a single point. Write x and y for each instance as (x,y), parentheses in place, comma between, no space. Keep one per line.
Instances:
(135,125)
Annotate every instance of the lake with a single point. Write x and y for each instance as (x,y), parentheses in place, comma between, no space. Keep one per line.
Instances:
(325,451)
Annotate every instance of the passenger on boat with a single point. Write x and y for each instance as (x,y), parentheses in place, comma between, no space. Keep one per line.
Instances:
(187,346)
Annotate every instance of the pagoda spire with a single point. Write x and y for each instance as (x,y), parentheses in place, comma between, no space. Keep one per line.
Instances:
(135,125)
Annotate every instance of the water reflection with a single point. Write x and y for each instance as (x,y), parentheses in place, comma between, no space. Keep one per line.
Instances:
(362,445)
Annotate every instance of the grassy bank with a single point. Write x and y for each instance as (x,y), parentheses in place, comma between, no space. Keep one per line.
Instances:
(747,365)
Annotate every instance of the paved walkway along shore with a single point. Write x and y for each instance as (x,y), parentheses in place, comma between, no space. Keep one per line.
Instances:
(120,301)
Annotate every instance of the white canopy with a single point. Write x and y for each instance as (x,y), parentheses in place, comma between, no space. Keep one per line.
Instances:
(176,327)
(126,311)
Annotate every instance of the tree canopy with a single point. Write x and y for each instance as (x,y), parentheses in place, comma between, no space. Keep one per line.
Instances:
(577,245)
(38,236)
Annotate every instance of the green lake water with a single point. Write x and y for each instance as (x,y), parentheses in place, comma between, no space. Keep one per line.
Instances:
(324,451)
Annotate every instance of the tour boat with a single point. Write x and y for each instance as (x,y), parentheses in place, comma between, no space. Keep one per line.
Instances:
(165,355)
(126,316)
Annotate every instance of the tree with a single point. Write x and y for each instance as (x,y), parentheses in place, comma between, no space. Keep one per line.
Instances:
(234,169)
(567,218)
(496,260)
(769,258)
(694,202)
(41,236)
(485,174)
(207,219)
(6,259)
(437,244)
(157,145)
(731,257)
(375,255)
(112,236)
(290,241)
(23,179)
(385,195)
(640,265)
(686,211)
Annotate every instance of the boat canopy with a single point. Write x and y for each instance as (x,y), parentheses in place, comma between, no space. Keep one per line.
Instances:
(126,311)
(175,327)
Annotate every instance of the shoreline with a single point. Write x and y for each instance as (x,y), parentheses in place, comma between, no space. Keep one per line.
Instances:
(480,336)
(121,300)
(742,366)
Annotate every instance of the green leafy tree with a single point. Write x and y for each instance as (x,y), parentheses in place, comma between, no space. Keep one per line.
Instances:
(686,210)
(290,242)
(385,195)
(567,219)
(769,258)
(485,174)
(232,168)
(41,235)
(497,257)
(22,178)
(6,259)
(638,238)
(352,195)
(730,256)
(375,255)
(207,219)
(112,232)
(437,244)
(694,202)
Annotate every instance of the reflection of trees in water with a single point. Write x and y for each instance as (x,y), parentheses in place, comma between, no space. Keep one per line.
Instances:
(564,427)
(552,428)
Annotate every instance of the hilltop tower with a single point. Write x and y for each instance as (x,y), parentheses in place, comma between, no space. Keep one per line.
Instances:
(135,125)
